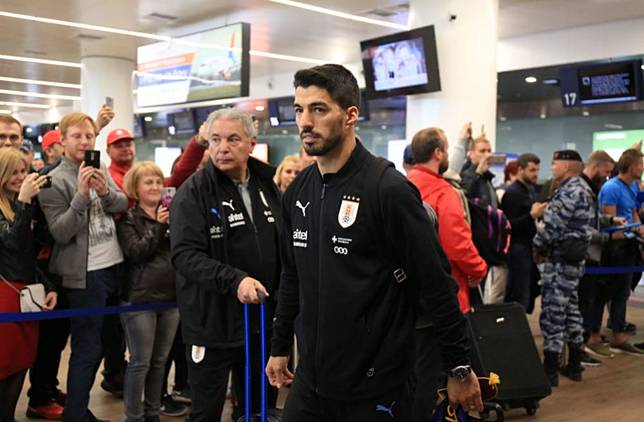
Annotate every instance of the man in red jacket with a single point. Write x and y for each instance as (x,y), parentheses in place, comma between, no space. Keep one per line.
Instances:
(122,152)
(429,148)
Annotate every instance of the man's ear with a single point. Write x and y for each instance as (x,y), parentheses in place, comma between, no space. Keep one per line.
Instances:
(352,115)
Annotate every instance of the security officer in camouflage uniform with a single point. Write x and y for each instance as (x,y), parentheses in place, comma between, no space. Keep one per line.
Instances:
(561,244)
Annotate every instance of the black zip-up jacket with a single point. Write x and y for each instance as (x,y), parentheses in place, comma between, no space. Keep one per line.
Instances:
(516,204)
(343,237)
(479,185)
(215,245)
(17,246)
(149,276)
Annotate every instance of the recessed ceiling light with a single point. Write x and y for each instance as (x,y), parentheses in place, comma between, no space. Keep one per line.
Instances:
(39,61)
(642,66)
(39,95)
(147,118)
(26,105)
(28,129)
(37,82)
(585,113)
(542,116)
(503,118)
(530,79)
(342,15)
(259,108)
(145,35)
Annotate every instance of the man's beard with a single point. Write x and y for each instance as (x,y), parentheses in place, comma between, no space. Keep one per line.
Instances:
(597,181)
(323,146)
(443,166)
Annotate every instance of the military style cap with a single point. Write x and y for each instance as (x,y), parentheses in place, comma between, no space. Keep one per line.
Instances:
(567,154)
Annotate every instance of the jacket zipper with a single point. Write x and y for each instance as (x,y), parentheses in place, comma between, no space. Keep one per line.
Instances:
(320,245)
(88,223)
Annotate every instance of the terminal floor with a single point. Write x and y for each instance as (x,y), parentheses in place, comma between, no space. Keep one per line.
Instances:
(614,391)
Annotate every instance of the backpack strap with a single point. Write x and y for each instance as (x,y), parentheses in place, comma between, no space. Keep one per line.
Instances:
(377,170)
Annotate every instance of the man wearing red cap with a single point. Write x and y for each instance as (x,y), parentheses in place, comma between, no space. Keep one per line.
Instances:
(122,151)
(52,147)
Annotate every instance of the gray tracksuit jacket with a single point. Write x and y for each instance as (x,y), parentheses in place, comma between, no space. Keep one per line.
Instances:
(67,214)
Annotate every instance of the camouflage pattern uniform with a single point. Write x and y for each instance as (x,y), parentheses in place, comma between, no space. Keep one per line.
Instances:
(569,215)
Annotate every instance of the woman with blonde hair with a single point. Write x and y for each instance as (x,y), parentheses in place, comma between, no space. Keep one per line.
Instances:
(144,238)
(287,171)
(17,269)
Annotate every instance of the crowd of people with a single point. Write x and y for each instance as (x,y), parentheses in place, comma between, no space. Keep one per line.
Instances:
(371,271)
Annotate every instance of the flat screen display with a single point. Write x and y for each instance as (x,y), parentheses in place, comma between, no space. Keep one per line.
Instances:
(401,64)
(615,142)
(204,66)
(601,83)
(183,122)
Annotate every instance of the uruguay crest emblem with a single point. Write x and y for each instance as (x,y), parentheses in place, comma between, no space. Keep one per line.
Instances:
(348,211)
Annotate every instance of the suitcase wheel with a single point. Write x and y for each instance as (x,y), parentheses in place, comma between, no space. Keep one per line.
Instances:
(531,409)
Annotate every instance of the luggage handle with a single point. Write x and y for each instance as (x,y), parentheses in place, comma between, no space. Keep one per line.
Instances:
(247,372)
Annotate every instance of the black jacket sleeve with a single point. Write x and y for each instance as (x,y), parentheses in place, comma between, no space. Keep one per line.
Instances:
(190,242)
(14,233)
(408,228)
(288,304)
(471,181)
(139,246)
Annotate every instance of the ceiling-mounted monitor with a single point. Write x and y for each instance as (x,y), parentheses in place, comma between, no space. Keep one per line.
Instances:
(401,64)
(614,82)
(199,67)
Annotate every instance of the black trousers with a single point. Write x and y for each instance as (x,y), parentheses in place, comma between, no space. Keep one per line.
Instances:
(208,380)
(305,405)
(593,296)
(428,374)
(43,375)
(10,389)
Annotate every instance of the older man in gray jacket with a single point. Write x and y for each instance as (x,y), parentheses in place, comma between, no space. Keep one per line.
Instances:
(79,208)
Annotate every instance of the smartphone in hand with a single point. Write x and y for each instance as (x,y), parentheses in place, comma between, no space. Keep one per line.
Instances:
(167,195)
(47,183)
(109,101)
(93,158)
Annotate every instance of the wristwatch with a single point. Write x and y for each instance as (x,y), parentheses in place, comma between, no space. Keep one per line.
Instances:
(460,373)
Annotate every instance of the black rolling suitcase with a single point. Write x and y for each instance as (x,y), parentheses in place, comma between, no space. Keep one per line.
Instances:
(265,415)
(502,343)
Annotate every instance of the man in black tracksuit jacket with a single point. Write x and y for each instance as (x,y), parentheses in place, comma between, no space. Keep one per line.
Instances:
(360,262)
(224,230)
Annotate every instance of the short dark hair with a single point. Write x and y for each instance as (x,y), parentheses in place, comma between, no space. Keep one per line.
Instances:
(337,80)
(527,158)
(627,159)
(425,143)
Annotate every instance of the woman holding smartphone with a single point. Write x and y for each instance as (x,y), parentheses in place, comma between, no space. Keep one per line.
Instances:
(144,238)
(17,270)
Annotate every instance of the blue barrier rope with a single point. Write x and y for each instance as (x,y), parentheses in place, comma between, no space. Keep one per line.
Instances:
(614,270)
(82,312)
(108,310)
